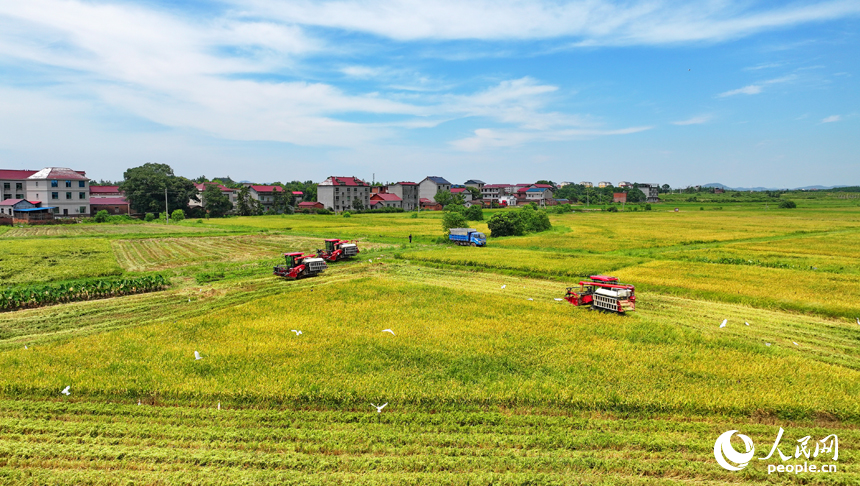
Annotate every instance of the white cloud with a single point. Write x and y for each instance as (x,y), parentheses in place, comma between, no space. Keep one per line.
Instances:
(696,120)
(750,90)
(593,22)
(486,138)
(832,118)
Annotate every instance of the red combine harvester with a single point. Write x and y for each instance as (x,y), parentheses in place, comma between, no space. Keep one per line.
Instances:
(603,292)
(338,250)
(299,265)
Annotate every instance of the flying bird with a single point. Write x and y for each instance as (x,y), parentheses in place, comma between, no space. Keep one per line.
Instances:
(389,330)
(197,355)
(747,323)
(795,344)
(66,391)
(503,286)
(724,323)
(530,298)
(380,407)
(298,333)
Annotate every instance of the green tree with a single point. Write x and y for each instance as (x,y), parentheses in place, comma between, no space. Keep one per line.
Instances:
(445,198)
(144,188)
(507,223)
(476,193)
(101,216)
(787,204)
(357,204)
(635,196)
(149,217)
(453,219)
(215,202)
(244,202)
(177,215)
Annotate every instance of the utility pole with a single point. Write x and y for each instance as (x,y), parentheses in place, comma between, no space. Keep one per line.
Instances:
(166,212)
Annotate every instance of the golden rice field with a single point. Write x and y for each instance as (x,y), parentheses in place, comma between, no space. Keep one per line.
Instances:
(101,230)
(488,379)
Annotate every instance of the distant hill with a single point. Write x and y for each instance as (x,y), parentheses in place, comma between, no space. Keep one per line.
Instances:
(758,189)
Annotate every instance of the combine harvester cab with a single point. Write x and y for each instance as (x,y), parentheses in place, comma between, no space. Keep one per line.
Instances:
(299,266)
(467,237)
(336,249)
(603,292)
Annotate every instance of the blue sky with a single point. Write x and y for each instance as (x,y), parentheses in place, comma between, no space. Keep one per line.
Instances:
(740,92)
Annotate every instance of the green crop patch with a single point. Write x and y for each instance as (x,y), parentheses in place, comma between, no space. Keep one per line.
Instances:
(47,260)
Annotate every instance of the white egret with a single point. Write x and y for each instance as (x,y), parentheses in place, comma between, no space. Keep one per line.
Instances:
(380,407)
(197,355)
(389,330)
(66,391)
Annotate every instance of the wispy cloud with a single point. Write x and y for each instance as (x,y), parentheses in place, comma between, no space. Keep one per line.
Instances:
(748,90)
(595,22)
(696,120)
(486,138)
(832,118)
(757,88)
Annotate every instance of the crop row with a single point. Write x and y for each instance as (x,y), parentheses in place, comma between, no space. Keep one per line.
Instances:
(175,444)
(47,294)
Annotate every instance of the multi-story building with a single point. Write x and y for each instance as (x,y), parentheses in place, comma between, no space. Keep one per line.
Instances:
(652,191)
(431,185)
(340,193)
(492,192)
(603,184)
(264,194)
(407,192)
(475,183)
(64,190)
(231,194)
(586,184)
(467,194)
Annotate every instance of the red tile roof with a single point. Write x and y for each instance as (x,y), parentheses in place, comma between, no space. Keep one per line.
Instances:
(309,204)
(202,187)
(493,186)
(543,186)
(457,190)
(60,173)
(15,175)
(108,201)
(385,197)
(268,188)
(298,193)
(11,202)
(104,189)
(347,181)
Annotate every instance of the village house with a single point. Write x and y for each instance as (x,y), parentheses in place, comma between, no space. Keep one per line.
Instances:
(340,193)
(104,191)
(624,184)
(475,183)
(385,200)
(231,194)
(603,184)
(586,184)
(310,205)
(265,195)
(540,195)
(467,194)
(113,205)
(493,192)
(652,192)
(14,211)
(619,197)
(408,194)
(428,205)
(431,185)
(65,190)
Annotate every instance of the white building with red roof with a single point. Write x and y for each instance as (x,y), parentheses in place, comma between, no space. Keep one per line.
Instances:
(265,194)
(340,193)
(385,200)
(230,193)
(65,190)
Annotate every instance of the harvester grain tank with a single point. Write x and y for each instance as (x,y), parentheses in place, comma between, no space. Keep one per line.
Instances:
(299,266)
(603,292)
(467,236)
(336,249)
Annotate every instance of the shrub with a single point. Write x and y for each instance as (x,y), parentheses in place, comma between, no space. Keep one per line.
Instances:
(101,216)
(177,215)
(475,213)
(505,224)
(647,207)
(149,217)
(347,214)
(612,209)
(787,204)
(453,219)
(323,211)
(415,215)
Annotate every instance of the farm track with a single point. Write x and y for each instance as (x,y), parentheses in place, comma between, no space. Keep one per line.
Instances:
(51,442)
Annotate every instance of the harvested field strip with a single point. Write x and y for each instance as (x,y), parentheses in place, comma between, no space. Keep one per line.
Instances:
(58,441)
(163,253)
(78,230)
